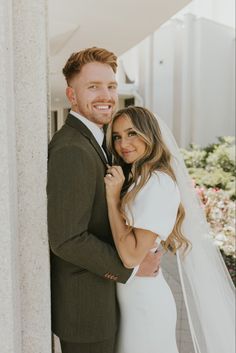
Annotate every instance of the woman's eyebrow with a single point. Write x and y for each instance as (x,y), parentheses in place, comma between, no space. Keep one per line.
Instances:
(130,128)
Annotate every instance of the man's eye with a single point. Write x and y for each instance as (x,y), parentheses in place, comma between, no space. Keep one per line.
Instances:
(112,87)
(93,87)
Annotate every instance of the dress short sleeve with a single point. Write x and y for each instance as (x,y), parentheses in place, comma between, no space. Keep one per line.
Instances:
(156,205)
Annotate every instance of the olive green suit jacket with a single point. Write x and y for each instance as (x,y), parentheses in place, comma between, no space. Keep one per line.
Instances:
(84,262)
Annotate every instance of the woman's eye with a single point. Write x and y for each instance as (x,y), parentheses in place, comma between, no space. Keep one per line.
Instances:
(132,133)
(115,137)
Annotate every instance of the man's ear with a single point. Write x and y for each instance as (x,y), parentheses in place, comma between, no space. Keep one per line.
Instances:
(70,93)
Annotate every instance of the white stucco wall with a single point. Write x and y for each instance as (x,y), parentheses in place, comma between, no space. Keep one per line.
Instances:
(214,88)
(221,11)
(163,71)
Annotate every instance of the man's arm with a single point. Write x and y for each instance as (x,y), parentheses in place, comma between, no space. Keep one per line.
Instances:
(150,265)
(71,192)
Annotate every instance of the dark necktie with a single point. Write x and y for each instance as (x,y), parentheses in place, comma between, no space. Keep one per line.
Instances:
(108,153)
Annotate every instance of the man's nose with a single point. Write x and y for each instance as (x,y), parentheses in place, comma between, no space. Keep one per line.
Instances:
(104,93)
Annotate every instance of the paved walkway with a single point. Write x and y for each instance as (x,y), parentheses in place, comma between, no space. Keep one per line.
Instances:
(170,271)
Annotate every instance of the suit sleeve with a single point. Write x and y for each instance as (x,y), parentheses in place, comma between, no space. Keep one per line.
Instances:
(71,192)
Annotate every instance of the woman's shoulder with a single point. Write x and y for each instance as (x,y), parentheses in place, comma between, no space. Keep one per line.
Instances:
(159,185)
(155,205)
(161,179)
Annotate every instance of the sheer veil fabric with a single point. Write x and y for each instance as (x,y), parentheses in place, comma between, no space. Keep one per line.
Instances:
(208,290)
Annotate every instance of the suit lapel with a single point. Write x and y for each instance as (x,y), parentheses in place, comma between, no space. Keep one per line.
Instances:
(77,124)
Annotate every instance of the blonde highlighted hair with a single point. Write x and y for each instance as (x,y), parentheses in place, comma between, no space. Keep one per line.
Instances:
(156,158)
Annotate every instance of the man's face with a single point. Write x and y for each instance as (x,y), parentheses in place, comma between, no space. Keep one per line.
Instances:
(93,93)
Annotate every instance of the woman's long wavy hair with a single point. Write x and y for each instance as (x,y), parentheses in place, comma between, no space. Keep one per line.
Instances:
(156,158)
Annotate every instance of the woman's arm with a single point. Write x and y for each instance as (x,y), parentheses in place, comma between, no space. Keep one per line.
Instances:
(132,245)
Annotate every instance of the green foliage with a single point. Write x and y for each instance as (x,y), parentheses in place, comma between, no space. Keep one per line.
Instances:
(222,156)
(195,157)
(214,165)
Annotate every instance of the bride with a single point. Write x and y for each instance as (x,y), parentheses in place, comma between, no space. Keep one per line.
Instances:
(145,212)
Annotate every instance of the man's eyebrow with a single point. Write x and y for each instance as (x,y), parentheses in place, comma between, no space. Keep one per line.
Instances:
(99,82)
(92,82)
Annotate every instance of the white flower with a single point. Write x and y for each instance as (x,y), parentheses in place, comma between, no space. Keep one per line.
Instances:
(218,243)
(221,237)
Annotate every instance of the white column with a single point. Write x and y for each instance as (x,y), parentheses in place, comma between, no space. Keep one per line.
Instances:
(146,79)
(10,321)
(186,124)
(30,65)
(177,79)
(24,255)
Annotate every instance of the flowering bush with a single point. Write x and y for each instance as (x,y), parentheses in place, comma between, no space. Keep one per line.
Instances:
(220,211)
(213,171)
(214,165)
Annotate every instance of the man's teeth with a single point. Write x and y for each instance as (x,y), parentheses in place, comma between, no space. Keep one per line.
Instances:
(102,107)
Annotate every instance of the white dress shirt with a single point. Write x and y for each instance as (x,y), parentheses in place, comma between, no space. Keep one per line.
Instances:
(97,132)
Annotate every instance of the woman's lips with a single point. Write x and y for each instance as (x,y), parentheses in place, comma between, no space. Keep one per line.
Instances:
(127,153)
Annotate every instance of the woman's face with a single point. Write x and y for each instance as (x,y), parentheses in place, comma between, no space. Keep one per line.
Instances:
(127,143)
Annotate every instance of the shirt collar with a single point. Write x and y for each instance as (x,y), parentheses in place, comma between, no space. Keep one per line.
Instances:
(96,130)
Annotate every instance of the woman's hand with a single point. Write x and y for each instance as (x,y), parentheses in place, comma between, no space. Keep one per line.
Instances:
(114,181)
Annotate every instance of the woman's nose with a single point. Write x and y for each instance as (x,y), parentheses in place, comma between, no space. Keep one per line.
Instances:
(124,142)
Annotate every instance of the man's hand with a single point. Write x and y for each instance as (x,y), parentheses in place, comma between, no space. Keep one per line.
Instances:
(150,265)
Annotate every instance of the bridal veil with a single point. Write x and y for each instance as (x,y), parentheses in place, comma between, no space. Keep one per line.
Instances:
(208,290)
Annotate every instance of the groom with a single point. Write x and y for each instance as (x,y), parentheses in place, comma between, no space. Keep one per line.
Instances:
(84,263)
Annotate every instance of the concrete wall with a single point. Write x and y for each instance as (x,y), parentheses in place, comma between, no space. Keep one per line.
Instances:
(10,320)
(24,256)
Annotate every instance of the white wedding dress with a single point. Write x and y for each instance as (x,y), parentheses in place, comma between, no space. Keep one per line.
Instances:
(147,307)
